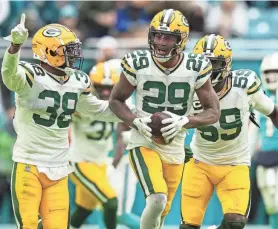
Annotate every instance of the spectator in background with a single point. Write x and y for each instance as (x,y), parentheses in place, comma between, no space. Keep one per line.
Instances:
(69,18)
(4,12)
(106,48)
(97,18)
(228,18)
(7,138)
(33,20)
(194,11)
(132,19)
(7,103)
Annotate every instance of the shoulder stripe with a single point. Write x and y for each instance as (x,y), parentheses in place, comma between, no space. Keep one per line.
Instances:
(207,68)
(127,66)
(127,69)
(205,72)
(27,69)
(87,91)
(254,88)
(29,79)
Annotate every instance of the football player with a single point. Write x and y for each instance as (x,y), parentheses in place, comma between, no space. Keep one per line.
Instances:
(266,138)
(91,143)
(165,79)
(221,156)
(47,94)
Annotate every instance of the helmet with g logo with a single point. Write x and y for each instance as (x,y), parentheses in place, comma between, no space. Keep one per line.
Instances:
(168,22)
(219,52)
(57,46)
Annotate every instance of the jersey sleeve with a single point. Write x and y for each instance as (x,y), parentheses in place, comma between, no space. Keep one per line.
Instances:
(261,102)
(16,75)
(254,83)
(90,106)
(128,69)
(204,73)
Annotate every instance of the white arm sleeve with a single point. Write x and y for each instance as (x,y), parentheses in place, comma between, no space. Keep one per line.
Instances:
(13,75)
(262,103)
(91,106)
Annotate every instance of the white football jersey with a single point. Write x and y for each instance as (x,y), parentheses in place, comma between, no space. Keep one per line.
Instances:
(91,140)
(44,106)
(226,142)
(159,89)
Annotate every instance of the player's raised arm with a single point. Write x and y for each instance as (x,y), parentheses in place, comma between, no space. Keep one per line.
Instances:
(13,76)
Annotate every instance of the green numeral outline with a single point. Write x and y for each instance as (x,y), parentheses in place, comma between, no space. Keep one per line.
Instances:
(52,110)
(161,97)
(142,62)
(213,135)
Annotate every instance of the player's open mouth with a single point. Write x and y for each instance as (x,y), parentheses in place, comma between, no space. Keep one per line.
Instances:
(162,52)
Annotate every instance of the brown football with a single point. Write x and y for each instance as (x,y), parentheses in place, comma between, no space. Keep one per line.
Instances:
(156,125)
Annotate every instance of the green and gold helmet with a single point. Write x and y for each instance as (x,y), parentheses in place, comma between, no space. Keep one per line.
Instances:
(219,52)
(168,22)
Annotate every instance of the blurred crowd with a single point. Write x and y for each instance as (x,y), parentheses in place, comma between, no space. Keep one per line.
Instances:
(131,18)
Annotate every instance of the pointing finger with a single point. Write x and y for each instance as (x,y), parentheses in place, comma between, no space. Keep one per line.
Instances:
(22,20)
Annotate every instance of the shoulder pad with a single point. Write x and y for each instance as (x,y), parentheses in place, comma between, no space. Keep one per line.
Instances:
(198,63)
(246,78)
(134,61)
(82,77)
(27,67)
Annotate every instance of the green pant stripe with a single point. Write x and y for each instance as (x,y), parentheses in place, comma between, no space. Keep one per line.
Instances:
(91,186)
(145,170)
(15,200)
(137,172)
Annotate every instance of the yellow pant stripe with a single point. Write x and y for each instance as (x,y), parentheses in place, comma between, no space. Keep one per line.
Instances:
(142,170)
(14,198)
(89,185)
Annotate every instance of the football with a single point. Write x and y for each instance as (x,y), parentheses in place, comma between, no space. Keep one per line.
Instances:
(156,125)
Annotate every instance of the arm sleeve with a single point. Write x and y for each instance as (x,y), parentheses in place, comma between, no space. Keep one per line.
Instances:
(128,69)
(261,102)
(14,76)
(204,74)
(89,105)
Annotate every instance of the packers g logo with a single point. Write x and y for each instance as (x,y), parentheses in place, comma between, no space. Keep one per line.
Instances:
(227,45)
(185,22)
(51,32)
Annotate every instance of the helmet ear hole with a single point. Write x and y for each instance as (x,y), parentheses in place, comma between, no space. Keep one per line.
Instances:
(52,53)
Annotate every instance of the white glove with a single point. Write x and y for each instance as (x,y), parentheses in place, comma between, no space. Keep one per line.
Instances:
(19,34)
(142,127)
(126,136)
(176,123)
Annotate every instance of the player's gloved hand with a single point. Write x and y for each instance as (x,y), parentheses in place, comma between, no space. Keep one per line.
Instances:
(126,136)
(176,123)
(141,125)
(19,34)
